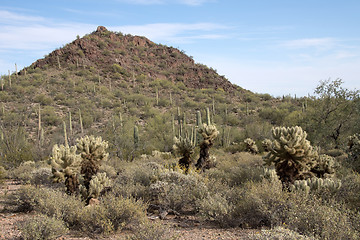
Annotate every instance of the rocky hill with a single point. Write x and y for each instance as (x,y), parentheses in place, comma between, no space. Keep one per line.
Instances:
(135,55)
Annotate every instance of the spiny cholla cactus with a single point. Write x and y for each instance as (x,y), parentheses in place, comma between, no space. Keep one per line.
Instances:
(325,166)
(313,184)
(266,144)
(209,133)
(251,146)
(354,151)
(185,147)
(65,166)
(93,153)
(98,183)
(291,153)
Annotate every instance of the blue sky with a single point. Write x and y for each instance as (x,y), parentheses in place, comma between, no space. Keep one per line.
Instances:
(267,46)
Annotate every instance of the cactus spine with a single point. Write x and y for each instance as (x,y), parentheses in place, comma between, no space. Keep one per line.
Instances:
(65,135)
(251,146)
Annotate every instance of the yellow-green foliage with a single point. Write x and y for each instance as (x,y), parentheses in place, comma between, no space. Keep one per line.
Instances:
(64,161)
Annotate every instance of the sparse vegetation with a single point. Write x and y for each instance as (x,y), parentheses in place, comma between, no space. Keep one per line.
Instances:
(309,190)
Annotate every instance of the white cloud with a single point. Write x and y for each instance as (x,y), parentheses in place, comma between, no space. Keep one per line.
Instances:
(174,32)
(13,18)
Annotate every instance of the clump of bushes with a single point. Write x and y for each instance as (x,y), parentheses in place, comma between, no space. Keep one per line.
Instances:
(42,227)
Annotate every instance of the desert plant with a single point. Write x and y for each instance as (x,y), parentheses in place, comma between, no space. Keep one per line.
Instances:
(250,146)
(209,133)
(185,147)
(65,166)
(99,183)
(354,151)
(42,227)
(291,153)
(93,153)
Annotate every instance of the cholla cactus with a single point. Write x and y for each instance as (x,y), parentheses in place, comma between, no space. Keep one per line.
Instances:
(266,144)
(65,166)
(93,153)
(185,147)
(209,133)
(313,184)
(291,153)
(98,183)
(325,166)
(354,151)
(251,146)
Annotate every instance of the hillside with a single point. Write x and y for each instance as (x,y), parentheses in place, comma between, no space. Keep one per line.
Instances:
(104,75)
(135,55)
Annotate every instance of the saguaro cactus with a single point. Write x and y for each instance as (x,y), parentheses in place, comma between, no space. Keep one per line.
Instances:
(93,153)
(65,166)
(209,133)
(291,153)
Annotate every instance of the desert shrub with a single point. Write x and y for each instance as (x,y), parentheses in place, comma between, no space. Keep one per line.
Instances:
(3,174)
(176,191)
(51,202)
(217,208)
(279,233)
(42,227)
(112,214)
(349,192)
(43,99)
(150,231)
(237,169)
(23,172)
(41,176)
(312,217)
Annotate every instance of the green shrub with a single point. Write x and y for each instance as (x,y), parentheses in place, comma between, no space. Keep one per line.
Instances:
(3,174)
(42,227)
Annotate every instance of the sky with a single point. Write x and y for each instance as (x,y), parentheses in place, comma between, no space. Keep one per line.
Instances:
(280,47)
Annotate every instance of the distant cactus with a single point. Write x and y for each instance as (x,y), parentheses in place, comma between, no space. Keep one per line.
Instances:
(93,153)
(65,166)
(185,147)
(251,146)
(209,133)
(354,151)
(291,153)
(266,144)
